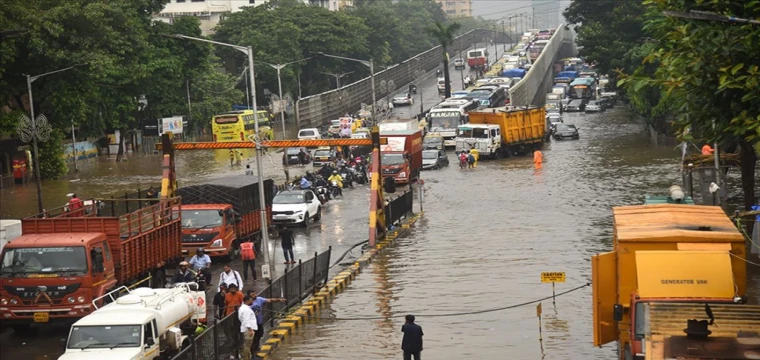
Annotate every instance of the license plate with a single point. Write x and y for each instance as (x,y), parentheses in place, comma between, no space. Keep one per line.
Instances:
(41,317)
(294,157)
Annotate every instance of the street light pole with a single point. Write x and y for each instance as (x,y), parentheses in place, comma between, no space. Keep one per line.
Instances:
(337,77)
(371,65)
(268,268)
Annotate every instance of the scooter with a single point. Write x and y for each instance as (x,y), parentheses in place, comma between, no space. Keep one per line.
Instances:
(335,190)
(322,194)
(359,174)
(348,178)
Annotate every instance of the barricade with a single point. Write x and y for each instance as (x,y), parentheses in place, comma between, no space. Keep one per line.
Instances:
(399,208)
(222,339)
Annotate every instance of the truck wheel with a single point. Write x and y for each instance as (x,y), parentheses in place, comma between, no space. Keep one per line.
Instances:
(159,279)
(319,214)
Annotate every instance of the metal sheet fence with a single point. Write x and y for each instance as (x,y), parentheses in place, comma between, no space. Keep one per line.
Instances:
(222,340)
(529,90)
(398,208)
(317,110)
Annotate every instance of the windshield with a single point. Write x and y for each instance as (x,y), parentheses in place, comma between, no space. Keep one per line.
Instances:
(200,218)
(472,133)
(392,159)
(306,133)
(444,120)
(429,154)
(294,151)
(83,337)
(480,93)
(474,54)
(432,140)
(565,127)
(289,198)
(43,260)
(322,153)
(226,119)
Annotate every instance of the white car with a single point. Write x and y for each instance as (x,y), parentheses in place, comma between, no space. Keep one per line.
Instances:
(403,99)
(296,207)
(309,134)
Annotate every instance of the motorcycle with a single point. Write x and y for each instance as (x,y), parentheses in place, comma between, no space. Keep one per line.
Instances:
(322,194)
(348,178)
(335,189)
(359,174)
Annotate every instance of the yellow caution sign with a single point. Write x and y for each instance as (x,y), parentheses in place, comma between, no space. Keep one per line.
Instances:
(539,310)
(553,277)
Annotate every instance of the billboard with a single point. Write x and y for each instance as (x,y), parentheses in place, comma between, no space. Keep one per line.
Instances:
(170,124)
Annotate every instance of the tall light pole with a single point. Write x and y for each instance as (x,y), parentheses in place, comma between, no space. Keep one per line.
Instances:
(268,268)
(279,67)
(36,129)
(337,77)
(371,65)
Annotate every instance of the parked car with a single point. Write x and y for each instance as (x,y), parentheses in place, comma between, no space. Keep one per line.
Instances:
(575,105)
(291,156)
(309,134)
(566,131)
(403,99)
(459,63)
(296,207)
(553,119)
(323,155)
(432,141)
(593,106)
(434,159)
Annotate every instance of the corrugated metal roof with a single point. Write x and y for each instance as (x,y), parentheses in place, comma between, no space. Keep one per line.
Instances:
(673,223)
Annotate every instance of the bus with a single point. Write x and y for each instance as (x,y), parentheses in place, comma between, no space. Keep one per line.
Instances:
(536,49)
(582,88)
(238,125)
(477,57)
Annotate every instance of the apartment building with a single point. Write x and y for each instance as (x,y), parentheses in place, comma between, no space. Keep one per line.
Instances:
(456,8)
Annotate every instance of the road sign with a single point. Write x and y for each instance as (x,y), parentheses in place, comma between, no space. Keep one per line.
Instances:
(552,277)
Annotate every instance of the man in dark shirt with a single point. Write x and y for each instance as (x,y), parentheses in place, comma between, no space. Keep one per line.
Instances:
(412,342)
(286,238)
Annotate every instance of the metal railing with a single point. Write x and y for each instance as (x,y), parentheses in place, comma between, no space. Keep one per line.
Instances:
(399,208)
(319,109)
(222,340)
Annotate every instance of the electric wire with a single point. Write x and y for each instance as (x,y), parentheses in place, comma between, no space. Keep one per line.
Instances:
(423,315)
(745,260)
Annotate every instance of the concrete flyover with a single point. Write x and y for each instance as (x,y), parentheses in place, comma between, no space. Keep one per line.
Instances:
(532,89)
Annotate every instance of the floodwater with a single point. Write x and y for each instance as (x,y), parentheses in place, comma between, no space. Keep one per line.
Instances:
(486,236)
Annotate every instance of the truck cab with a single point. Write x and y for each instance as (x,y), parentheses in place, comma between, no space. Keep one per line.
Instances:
(670,264)
(401,158)
(210,226)
(53,277)
(143,323)
(485,138)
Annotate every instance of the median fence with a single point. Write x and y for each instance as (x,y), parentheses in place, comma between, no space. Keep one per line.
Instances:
(222,340)
(399,208)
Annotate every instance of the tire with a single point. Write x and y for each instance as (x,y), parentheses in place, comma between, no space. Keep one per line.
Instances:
(319,214)
(306,219)
(159,279)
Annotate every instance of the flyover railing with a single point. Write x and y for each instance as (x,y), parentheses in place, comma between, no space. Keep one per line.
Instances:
(319,109)
(531,89)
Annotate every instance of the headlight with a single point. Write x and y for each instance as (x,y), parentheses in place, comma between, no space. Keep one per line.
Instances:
(81,299)
(402,174)
(71,300)
(14,301)
(217,243)
(297,211)
(3,301)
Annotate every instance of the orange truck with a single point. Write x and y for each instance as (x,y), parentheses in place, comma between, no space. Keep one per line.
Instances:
(401,158)
(61,263)
(219,215)
(674,286)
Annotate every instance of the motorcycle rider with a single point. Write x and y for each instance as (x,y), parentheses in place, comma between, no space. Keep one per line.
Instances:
(201,262)
(338,181)
(321,182)
(326,171)
(467,81)
(346,169)
(310,176)
(361,168)
(183,275)
(305,183)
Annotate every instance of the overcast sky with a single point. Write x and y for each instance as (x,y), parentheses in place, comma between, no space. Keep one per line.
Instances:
(497,9)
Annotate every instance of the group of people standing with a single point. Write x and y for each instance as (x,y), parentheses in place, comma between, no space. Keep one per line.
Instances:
(468,158)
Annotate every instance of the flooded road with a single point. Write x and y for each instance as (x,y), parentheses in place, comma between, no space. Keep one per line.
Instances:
(486,236)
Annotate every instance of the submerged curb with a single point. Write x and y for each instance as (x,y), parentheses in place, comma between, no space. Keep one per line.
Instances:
(331,289)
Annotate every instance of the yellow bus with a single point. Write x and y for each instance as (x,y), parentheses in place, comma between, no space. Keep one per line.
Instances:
(238,125)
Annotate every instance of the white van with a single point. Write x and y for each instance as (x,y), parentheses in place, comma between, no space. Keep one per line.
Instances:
(309,134)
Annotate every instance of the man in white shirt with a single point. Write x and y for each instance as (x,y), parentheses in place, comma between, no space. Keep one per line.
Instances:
(201,262)
(229,276)
(248,327)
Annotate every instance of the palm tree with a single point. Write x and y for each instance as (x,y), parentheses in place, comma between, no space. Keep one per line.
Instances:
(445,36)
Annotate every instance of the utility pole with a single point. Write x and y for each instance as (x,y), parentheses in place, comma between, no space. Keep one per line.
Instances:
(534,17)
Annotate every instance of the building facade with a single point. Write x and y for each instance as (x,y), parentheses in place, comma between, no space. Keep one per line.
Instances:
(546,14)
(456,8)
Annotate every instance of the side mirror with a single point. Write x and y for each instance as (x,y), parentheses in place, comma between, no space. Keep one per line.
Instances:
(617,312)
(150,342)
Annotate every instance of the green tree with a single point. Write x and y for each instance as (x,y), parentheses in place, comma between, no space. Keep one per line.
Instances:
(710,73)
(445,36)
(52,161)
